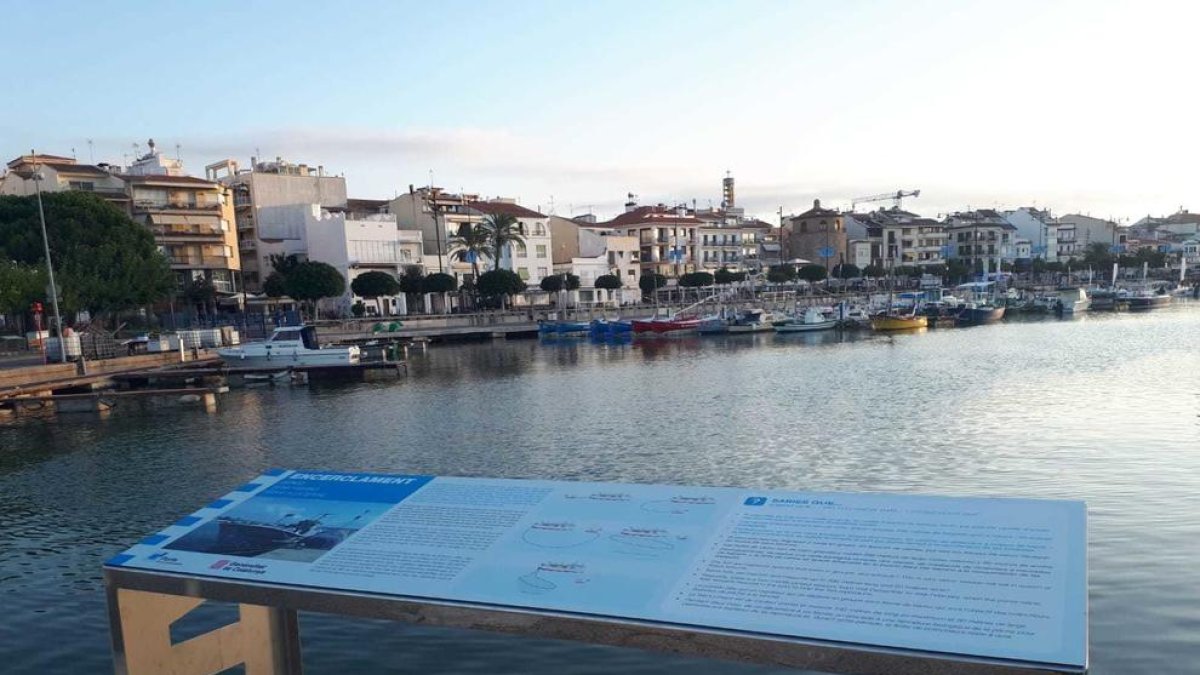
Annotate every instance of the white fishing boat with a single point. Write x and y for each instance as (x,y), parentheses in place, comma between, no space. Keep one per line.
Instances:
(751,321)
(1072,301)
(288,346)
(813,319)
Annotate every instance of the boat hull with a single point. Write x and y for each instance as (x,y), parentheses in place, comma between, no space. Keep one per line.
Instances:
(245,358)
(1142,302)
(977,316)
(798,327)
(893,323)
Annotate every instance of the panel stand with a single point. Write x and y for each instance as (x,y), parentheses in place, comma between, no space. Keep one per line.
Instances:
(265,639)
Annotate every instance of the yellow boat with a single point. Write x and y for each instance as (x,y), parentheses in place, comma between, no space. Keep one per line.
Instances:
(898,322)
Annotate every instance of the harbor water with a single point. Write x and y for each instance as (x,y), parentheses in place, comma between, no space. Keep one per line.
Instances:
(1104,408)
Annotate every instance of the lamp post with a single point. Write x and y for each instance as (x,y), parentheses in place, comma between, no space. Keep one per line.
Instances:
(37,183)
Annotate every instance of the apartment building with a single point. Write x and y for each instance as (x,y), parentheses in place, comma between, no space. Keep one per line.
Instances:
(818,235)
(667,237)
(264,197)
(981,238)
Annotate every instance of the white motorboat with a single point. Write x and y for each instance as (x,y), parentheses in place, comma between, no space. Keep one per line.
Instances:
(1072,301)
(813,319)
(289,346)
(751,321)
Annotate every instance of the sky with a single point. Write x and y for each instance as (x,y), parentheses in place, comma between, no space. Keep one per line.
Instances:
(1080,106)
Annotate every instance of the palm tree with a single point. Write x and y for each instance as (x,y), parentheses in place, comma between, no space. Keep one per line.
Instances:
(471,242)
(503,229)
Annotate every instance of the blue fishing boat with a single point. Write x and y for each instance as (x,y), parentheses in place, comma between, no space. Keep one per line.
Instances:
(562,327)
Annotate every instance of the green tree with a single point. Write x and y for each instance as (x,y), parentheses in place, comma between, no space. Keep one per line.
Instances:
(412,281)
(200,292)
(470,244)
(650,282)
(502,230)
(283,264)
(727,276)
(1097,255)
(500,285)
(779,274)
(812,273)
(20,286)
(104,262)
(275,286)
(610,282)
(374,285)
(696,280)
(907,271)
(874,271)
(358,309)
(311,281)
(555,283)
(439,282)
(846,271)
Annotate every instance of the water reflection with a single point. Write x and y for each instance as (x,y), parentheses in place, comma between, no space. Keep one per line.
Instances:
(1104,408)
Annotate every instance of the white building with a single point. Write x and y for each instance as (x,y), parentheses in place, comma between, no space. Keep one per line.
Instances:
(1089,230)
(531,259)
(265,192)
(1041,230)
(356,243)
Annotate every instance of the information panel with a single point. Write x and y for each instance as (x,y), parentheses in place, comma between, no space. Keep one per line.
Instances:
(997,578)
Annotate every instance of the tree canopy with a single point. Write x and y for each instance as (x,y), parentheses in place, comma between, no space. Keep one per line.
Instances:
(608,282)
(500,283)
(651,281)
(696,279)
(727,276)
(874,271)
(812,273)
(502,229)
(375,284)
(20,286)
(779,274)
(470,244)
(846,271)
(274,286)
(439,282)
(103,260)
(312,280)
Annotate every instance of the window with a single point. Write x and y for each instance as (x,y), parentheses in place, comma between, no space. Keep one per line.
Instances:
(521,249)
(85,186)
(541,250)
(542,272)
(523,273)
(803,226)
(224,225)
(228,251)
(632,273)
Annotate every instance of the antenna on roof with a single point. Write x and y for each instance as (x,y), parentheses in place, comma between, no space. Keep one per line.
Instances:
(73,154)
(178,156)
(91,155)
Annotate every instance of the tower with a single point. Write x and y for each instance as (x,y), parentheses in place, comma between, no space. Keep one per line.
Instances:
(727,191)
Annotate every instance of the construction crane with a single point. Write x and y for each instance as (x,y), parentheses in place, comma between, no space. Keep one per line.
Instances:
(897,198)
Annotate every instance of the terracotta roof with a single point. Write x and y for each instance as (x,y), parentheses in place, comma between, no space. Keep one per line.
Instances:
(79,169)
(651,215)
(182,180)
(504,208)
(41,159)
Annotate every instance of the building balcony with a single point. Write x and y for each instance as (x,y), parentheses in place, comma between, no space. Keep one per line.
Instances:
(201,261)
(143,205)
(186,232)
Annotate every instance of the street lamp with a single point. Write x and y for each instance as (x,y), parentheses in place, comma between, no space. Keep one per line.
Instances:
(37,183)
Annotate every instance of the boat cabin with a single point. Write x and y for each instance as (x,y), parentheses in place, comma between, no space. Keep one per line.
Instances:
(306,335)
